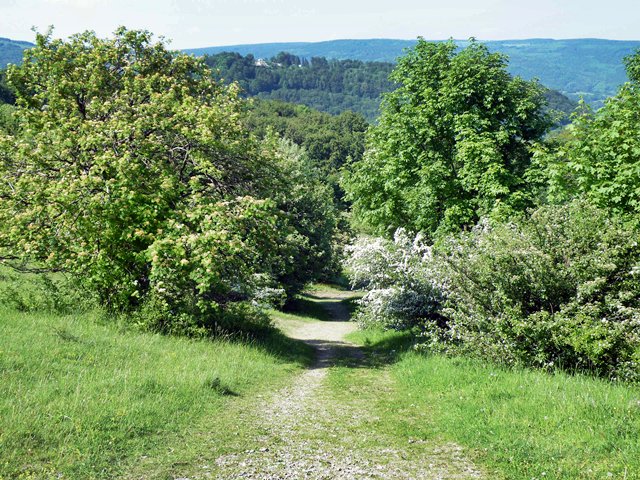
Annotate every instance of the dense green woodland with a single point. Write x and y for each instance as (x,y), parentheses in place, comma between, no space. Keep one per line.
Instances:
(330,141)
(6,95)
(11,51)
(331,86)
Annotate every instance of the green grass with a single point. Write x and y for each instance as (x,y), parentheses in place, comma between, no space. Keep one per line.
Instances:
(83,399)
(39,292)
(518,423)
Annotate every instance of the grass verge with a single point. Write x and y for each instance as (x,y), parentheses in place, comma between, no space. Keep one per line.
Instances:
(518,423)
(80,399)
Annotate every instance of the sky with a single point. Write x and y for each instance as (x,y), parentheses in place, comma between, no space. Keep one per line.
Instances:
(204,23)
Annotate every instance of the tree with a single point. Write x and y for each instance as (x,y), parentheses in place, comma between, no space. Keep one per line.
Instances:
(632,64)
(452,143)
(331,86)
(8,122)
(309,206)
(133,171)
(600,156)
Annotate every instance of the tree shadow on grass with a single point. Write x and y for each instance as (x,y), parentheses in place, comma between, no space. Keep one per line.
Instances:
(322,353)
(319,353)
(388,349)
(274,342)
(304,306)
(376,354)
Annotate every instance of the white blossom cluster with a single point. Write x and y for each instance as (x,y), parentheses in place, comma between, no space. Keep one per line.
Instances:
(401,282)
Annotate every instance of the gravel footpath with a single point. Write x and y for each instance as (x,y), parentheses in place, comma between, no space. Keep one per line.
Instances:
(305,434)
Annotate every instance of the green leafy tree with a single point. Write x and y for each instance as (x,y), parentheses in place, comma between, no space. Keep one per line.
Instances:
(632,64)
(8,122)
(308,203)
(600,155)
(131,169)
(452,143)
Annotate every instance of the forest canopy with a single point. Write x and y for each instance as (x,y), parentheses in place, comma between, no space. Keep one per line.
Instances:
(331,86)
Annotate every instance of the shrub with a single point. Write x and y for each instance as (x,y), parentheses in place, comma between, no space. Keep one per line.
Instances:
(30,292)
(398,276)
(561,288)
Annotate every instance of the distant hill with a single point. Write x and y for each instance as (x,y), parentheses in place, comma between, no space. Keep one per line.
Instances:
(375,50)
(591,68)
(11,51)
(331,86)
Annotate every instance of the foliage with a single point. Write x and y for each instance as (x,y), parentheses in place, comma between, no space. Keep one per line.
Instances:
(28,292)
(331,86)
(308,203)
(8,121)
(452,143)
(559,106)
(329,141)
(632,64)
(133,171)
(601,157)
(399,278)
(6,95)
(579,68)
(558,289)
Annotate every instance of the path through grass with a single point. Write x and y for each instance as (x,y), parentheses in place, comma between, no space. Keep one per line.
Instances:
(80,399)
(307,431)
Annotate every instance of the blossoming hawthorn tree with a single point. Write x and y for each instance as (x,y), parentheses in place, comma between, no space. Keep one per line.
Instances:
(402,284)
(132,170)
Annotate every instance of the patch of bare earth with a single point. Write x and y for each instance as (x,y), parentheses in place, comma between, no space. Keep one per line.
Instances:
(305,434)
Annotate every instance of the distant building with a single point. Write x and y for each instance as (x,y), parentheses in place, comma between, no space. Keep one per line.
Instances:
(261,62)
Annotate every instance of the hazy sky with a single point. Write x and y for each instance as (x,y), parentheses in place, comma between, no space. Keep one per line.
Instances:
(200,23)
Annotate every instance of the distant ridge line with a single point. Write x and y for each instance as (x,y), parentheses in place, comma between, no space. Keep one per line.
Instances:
(589,68)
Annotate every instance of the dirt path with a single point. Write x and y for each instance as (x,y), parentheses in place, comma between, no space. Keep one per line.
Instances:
(306,434)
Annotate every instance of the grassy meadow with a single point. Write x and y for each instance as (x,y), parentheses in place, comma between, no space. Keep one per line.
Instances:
(82,398)
(518,423)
